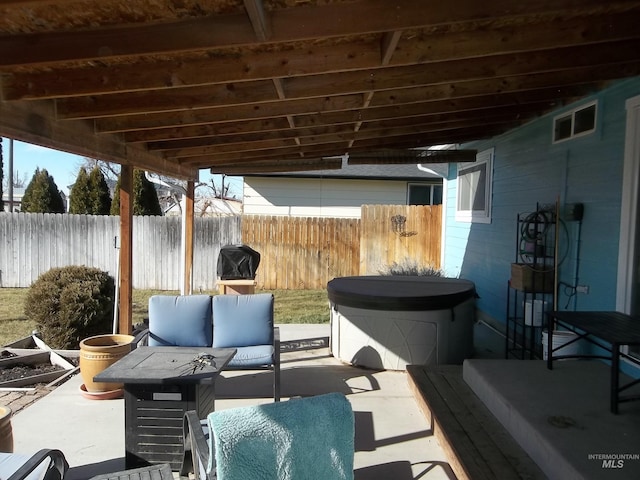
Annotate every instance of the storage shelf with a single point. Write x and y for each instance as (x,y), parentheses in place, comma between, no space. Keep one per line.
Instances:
(530,290)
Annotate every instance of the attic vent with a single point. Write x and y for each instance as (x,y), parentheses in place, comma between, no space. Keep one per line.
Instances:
(577,122)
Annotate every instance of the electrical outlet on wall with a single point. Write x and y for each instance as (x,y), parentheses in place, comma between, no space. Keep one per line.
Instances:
(582,289)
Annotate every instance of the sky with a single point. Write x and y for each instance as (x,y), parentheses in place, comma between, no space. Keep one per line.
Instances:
(63,167)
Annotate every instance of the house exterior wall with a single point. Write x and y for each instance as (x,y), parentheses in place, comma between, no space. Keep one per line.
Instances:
(318,197)
(528,170)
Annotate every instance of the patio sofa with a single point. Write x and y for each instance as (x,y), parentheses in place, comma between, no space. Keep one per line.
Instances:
(243,322)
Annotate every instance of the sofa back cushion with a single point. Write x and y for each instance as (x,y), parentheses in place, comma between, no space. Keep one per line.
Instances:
(180,320)
(242,320)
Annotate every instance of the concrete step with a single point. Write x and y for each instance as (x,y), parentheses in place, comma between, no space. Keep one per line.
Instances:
(561,417)
(477,445)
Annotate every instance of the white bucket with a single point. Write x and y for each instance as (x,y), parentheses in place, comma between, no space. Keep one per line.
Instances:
(560,337)
(534,311)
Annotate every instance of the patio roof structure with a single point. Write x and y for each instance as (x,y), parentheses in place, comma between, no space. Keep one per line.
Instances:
(274,85)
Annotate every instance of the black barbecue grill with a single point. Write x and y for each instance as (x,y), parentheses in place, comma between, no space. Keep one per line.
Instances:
(238,262)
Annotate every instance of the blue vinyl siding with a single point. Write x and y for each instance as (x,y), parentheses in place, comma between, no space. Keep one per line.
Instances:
(529,169)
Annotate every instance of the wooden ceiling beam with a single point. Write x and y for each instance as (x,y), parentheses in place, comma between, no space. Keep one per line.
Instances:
(488,87)
(166,100)
(388,46)
(264,110)
(333,149)
(37,125)
(520,83)
(184,153)
(279,166)
(339,148)
(488,68)
(101,79)
(326,142)
(473,106)
(310,135)
(206,161)
(259,19)
(287,25)
(403,156)
(506,65)
(209,130)
(343,119)
(396,132)
(330,109)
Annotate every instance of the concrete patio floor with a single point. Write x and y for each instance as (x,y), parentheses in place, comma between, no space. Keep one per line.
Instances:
(393,438)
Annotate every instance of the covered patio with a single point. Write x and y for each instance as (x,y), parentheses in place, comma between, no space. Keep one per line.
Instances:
(271,86)
(432,423)
(393,438)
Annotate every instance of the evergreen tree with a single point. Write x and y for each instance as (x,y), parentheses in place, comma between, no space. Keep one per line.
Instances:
(80,201)
(100,196)
(145,197)
(42,194)
(115,202)
(145,200)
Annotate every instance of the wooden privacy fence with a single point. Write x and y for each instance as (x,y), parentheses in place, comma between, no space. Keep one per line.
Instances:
(302,252)
(305,253)
(32,243)
(296,252)
(395,233)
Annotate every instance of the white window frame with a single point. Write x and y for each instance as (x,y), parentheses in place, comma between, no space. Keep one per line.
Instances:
(572,114)
(484,160)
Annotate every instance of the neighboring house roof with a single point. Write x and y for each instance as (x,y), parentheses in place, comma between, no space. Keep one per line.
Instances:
(368,172)
(18,193)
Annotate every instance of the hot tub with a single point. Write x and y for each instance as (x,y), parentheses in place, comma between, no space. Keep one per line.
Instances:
(389,322)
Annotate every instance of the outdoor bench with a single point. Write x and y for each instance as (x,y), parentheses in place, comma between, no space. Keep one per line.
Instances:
(243,322)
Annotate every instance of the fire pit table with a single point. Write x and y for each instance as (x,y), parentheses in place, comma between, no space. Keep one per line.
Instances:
(160,385)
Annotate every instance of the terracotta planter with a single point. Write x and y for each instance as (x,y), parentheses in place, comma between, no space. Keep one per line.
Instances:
(99,352)
(6,432)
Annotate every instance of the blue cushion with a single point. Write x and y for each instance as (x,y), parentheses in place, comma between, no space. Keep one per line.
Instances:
(180,320)
(242,320)
(256,356)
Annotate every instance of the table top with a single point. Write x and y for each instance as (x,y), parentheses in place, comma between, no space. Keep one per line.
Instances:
(613,327)
(166,365)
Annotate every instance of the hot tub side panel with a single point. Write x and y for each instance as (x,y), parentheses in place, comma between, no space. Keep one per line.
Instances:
(383,339)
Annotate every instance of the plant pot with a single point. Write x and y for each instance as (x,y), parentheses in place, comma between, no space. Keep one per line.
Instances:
(6,432)
(98,353)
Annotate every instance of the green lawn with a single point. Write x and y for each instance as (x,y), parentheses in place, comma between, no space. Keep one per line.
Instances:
(291,306)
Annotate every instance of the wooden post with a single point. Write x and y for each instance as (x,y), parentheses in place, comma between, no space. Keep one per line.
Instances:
(188,238)
(126,249)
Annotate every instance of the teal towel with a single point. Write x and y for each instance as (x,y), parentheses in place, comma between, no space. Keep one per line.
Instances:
(306,438)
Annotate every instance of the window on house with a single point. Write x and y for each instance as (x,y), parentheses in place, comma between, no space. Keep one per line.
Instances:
(474,189)
(424,194)
(577,122)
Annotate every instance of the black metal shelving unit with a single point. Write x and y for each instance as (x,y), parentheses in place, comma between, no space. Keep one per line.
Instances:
(530,290)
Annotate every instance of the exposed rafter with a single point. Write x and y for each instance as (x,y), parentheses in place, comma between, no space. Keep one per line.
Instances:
(377,157)
(253,84)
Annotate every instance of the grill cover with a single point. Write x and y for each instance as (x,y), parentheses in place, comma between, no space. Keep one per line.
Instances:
(238,262)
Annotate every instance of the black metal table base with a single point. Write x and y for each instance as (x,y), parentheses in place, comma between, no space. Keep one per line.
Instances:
(153,420)
(615,328)
(154,472)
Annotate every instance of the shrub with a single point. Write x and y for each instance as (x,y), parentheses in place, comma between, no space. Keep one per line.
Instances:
(411,267)
(71,303)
